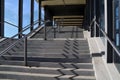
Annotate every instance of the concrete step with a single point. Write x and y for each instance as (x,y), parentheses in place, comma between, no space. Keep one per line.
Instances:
(42,70)
(44,59)
(40,47)
(60,35)
(67,65)
(52,51)
(47,70)
(57,44)
(52,55)
(87,65)
(29,76)
(7,79)
(67,40)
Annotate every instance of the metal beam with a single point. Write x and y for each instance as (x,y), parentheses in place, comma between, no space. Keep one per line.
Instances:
(79,20)
(32,15)
(39,9)
(71,22)
(71,17)
(98,16)
(20,18)
(92,16)
(110,31)
(1,18)
(61,2)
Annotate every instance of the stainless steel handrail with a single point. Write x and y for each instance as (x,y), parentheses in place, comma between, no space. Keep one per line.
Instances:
(108,39)
(24,29)
(105,34)
(20,38)
(25,42)
(5,50)
(9,23)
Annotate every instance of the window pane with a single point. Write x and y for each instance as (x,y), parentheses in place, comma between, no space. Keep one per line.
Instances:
(26,14)
(117,34)
(102,24)
(36,12)
(11,15)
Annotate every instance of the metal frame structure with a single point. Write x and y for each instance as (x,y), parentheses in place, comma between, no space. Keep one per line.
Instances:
(2,18)
(32,15)
(97,17)
(20,17)
(110,30)
(92,16)
(39,12)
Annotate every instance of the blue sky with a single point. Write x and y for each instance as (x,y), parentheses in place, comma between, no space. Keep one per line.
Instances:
(11,15)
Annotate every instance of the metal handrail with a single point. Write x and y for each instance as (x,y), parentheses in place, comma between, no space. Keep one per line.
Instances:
(94,19)
(9,23)
(108,39)
(24,29)
(105,34)
(25,43)
(22,35)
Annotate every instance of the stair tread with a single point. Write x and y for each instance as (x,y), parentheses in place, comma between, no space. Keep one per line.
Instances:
(44,75)
(48,64)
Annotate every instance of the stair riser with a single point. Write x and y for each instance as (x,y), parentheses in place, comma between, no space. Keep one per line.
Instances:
(36,64)
(59,60)
(62,56)
(48,71)
(30,70)
(19,77)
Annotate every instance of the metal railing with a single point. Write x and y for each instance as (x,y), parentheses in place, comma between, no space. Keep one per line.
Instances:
(24,37)
(10,24)
(106,36)
(24,29)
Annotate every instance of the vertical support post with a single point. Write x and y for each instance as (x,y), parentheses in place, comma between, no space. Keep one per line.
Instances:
(90,10)
(20,18)
(95,18)
(92,16)
(39,12)
(110,31)
(119,23)
(25,51)
(55,26)
(86,23)
(32,15)
(45,33)
(1,18)
(58,28)
(105,12)
(54,32)
(76,31)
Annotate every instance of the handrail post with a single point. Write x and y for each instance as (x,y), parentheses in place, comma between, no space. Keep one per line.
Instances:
(95,27)
(25,51)
(45,34)
(54,32)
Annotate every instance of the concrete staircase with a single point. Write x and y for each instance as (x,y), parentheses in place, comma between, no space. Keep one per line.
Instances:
(67,59)
(49,60)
